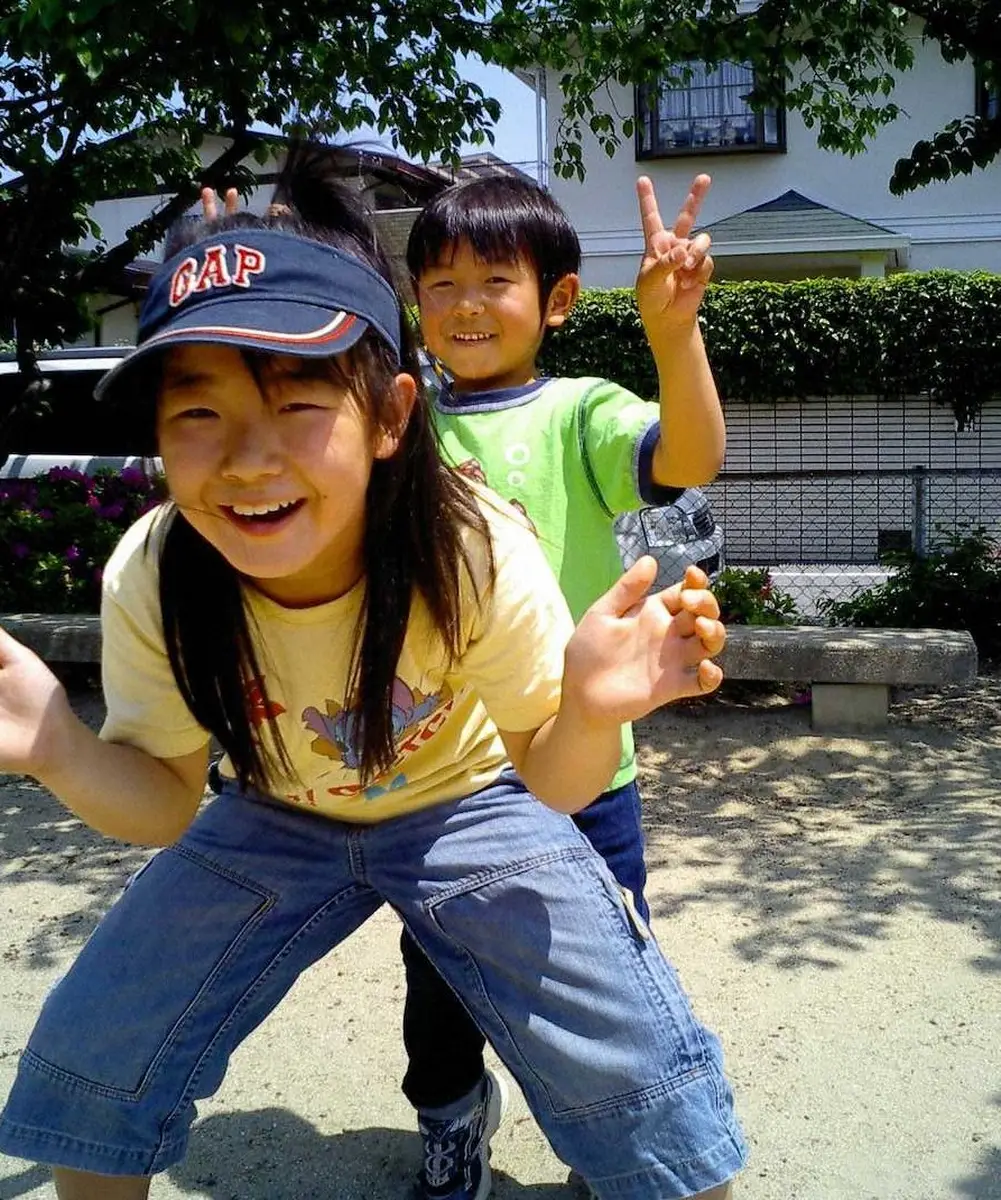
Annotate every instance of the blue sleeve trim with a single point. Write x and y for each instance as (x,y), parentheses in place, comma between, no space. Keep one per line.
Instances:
(650,492)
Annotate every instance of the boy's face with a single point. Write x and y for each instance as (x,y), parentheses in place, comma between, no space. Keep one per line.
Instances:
(483,321)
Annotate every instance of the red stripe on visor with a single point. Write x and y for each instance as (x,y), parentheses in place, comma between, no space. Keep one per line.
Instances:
(333,331)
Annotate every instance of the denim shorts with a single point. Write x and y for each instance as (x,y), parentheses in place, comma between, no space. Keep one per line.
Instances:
(613,825)
(507,898)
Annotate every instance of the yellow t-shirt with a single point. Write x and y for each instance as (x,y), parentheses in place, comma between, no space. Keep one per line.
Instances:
(508,674)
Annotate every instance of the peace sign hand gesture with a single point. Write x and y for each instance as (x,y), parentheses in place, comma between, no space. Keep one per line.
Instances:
(210,205)
(675,267)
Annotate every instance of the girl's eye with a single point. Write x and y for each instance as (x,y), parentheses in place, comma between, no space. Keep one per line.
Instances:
(299,406)
(498,279)
(194,414)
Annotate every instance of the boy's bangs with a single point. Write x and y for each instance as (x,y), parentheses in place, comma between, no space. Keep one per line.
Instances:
(502,220)
(490,234)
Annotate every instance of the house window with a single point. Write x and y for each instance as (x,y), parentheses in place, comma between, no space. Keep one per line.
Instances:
(988,99)
(705,111)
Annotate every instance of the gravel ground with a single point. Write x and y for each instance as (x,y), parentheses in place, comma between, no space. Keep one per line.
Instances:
(832,904)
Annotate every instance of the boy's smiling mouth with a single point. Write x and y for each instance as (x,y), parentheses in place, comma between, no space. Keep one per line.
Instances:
(472,337)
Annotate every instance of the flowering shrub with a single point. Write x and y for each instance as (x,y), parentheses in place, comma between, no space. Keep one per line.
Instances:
(747,596)
(956,585)
(57,532)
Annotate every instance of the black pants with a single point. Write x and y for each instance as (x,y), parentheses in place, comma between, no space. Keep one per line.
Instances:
(443,1044)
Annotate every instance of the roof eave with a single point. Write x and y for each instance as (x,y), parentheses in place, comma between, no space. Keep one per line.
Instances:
(810,245)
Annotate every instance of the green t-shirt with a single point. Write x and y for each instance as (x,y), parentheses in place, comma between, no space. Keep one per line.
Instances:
(568,453)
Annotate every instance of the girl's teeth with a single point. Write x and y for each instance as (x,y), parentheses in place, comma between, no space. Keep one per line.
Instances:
(260,510)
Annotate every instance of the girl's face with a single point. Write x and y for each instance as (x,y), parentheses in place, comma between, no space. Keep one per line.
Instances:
(272,468)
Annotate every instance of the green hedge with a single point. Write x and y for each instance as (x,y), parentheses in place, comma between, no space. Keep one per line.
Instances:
(935,333)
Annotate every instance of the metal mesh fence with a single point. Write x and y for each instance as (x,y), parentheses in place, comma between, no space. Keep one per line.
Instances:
(820,491)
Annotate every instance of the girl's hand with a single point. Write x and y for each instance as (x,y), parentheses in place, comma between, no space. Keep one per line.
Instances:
(33,707)
(633,652)
(675,268)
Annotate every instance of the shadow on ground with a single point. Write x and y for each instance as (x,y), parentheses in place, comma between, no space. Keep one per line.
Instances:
(814,842)
(986,1184)
(24,1182)
(41,843)
(272,1154)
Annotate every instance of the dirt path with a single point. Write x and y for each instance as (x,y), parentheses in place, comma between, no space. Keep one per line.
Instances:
(833,905)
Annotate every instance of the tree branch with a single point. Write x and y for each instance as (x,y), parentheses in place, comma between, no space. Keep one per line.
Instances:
(104,271)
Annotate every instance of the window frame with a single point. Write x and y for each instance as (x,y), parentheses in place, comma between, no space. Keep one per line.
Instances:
(984,99)
(758,146)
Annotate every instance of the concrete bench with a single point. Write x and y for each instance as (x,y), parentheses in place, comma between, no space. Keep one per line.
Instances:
(850,671)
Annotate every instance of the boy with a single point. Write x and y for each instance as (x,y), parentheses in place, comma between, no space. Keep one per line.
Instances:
(495,264)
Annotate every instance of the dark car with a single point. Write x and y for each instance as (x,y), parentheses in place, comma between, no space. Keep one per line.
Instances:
(66,417)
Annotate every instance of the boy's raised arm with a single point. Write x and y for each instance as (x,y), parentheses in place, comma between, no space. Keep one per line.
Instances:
(672,280)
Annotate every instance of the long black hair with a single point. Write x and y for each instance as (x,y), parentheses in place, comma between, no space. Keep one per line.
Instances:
(416,510)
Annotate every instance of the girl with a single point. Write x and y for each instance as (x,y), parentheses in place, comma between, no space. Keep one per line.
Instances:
(373,644)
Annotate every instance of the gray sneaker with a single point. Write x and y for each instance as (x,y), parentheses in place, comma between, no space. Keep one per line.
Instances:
(457,1152)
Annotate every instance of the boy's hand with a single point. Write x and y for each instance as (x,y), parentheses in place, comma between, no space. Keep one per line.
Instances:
(32,703)
(675,268)
(210,203)
(633,652)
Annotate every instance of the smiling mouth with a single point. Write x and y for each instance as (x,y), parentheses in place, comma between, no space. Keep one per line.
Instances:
(471,339)
(261,516)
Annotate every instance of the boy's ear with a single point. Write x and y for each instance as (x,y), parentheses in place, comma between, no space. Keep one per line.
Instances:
(389,436)
(561,300)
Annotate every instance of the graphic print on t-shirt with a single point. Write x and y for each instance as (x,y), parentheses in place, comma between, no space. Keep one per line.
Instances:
(471,469)
(260,709)
(415,718)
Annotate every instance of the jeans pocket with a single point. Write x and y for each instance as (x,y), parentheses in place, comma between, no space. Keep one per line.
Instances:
(144,973)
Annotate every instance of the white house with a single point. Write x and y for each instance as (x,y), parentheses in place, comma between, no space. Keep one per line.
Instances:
(781,207)
(806,480)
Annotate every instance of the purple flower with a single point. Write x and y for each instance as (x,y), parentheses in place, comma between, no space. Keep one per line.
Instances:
(111,512)
(46,514)
(19,550)
(133,477)
(67,473)
(19,490)
(72,553)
